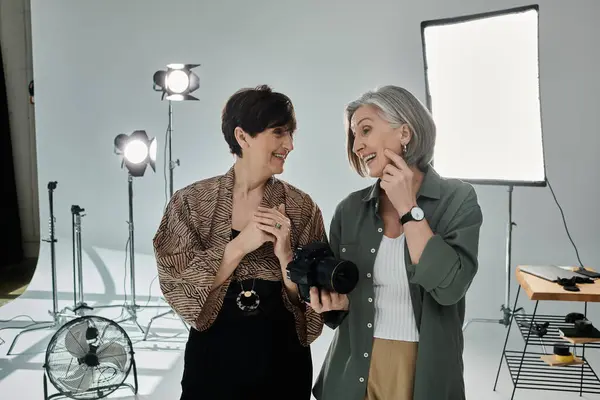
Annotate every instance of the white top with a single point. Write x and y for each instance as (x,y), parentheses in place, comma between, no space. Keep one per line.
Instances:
(394,315)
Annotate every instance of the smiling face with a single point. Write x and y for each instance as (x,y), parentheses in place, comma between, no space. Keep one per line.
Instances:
(372,135)
(267,150)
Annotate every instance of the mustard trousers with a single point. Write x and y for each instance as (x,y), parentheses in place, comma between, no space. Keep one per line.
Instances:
(392,371)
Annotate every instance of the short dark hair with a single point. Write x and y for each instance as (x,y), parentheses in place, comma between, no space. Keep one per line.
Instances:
(256,110)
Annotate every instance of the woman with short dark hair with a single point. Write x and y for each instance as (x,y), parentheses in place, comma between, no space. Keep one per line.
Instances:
(222,249)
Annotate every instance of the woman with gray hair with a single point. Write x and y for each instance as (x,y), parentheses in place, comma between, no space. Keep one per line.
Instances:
(414,237)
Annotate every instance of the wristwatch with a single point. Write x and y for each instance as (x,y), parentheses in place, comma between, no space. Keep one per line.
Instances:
(415,214)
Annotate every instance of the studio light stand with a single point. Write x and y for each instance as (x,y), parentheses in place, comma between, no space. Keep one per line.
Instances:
(79,306)
(443,75)
(172,164)
(507,312)
(58,317)
(138,151)
(176,84)
(133,307)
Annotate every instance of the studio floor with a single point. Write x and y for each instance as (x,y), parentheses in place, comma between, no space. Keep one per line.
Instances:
(159,358)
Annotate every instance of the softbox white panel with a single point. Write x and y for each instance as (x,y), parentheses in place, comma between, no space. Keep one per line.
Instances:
(483,91)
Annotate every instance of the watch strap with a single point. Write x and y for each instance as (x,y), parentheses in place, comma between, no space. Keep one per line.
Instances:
(406,217)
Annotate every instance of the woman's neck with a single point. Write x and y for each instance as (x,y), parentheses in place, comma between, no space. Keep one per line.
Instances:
(248,179)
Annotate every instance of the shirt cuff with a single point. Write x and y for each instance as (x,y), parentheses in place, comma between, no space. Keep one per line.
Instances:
(334,318)
(437,262)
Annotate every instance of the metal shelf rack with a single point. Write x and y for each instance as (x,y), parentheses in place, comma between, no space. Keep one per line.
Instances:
(526,368)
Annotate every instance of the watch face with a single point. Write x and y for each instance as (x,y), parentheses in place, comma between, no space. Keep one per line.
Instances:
(417,213)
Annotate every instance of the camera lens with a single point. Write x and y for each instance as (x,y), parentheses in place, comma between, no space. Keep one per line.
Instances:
(345,277)
(337,275)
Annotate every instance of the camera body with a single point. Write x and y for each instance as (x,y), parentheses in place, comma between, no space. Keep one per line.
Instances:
(315,265)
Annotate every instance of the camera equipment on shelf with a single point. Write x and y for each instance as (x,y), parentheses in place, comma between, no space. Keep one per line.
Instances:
(58,317)
(89,358)
(561,354)
(315,265)
(581,328)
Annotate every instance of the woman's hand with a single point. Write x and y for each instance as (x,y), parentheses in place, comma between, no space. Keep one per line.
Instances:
(328,301)
(275,222)
(397,181)
(251,238)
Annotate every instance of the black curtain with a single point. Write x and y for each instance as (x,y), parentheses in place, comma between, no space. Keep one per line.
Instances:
(11,244)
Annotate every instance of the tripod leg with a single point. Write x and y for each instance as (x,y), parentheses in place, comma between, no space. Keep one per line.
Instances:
(134,320)
(33,328)
(132,316)
(493,321)
(154,318)
(139,326)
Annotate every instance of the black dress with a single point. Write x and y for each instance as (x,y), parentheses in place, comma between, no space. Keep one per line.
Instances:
(248,355)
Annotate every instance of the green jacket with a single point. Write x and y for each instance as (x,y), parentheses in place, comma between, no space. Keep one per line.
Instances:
(438,284)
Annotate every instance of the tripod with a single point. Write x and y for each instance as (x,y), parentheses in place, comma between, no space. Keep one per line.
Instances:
(78,306)
(79,303)
(505,308)
(172,165)
(58,317)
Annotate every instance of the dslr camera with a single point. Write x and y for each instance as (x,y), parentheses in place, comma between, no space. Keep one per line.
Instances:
(315,265)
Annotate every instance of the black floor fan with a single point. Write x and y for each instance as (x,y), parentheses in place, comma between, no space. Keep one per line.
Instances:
(89,357)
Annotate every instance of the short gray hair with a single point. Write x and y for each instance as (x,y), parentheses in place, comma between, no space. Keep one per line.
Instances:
(397,106)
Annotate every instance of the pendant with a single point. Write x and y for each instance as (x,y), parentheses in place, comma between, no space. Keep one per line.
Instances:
(248,300)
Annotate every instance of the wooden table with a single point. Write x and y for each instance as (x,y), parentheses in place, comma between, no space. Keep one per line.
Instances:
(527,368)
(541,289)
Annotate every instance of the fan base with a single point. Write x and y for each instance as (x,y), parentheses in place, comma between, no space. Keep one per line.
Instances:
(98,390)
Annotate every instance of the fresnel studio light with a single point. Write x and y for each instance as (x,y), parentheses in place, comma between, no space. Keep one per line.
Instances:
(137,151)
(177,82)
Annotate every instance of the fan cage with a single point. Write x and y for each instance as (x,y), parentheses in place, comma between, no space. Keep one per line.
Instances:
(89,357)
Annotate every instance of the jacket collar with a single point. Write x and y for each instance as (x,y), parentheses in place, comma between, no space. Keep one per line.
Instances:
(220,207)
(430,187)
